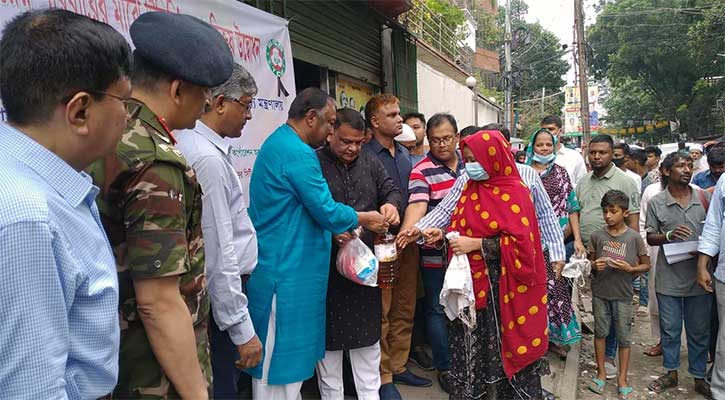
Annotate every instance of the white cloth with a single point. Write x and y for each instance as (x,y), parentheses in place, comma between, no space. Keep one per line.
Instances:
(261,390)
(637,179)
(230,241)
(573,162)
(457,293)
(718,372)
(365,363)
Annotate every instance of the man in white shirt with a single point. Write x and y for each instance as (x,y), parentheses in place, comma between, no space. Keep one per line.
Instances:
(230,241)
(570,159)
(620,158)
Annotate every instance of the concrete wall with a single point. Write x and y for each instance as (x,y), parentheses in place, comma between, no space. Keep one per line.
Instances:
(438,92)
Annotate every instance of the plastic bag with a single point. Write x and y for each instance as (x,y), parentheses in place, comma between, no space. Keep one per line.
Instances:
(577,269)
(457,297)
(356,262)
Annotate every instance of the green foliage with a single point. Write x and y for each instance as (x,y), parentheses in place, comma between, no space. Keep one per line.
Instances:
(489,34)
(663,58)
(444,18)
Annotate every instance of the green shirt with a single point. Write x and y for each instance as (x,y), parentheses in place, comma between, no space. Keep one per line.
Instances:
(590,191)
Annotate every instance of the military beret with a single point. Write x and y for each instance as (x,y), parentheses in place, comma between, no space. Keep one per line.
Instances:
(183,46)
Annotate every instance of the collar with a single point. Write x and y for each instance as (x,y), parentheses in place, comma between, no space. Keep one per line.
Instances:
(612,170)
(209,134)
(156,122)
(378,148)
(694,198)
(459,166)
(75,187)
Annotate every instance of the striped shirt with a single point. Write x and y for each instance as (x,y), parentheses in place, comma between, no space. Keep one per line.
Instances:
(551,233)
(430,182)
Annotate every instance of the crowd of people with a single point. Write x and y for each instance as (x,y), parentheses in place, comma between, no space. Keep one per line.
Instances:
(134,266)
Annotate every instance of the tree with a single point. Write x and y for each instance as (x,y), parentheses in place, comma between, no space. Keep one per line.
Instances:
(664,54)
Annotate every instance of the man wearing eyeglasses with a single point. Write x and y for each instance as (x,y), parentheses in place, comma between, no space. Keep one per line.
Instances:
(570,159)
(150,204)
(59,332)
(230,241)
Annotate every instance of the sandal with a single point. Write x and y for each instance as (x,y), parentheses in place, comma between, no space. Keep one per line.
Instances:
(654,351)
(703,388)
(624,392)
(597,386)
(663,383)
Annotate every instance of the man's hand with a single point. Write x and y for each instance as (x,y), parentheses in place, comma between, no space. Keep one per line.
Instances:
(681,233)
(600,264)
(580,249)
(432,235)
(390,213)
(373,221)
(250,354)
(622,266)
(558,267)
(465,245)
(407,237)
(704,279)
(342,239)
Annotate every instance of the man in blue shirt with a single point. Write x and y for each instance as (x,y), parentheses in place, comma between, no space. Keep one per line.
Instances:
(716,162)
(64,84)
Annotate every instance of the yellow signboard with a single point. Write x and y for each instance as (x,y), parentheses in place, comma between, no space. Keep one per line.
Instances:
(353,94)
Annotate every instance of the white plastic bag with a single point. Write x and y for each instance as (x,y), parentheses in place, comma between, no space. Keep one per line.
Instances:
(577,269)
(356,262)
(457,297)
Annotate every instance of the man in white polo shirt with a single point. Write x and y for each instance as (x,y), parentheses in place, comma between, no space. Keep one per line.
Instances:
(570,159)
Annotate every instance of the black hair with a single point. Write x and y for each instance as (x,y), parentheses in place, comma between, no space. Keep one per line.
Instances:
(498,127)
(602,139)
(552,119)
(439,119)
(47,56)
(311,98)
(418,115)
(716,156)
(350,117)
(623,146)
(653,149)
(469,130)
(638,156)
(540,131)
(681,145)
(615,198)
(669,162)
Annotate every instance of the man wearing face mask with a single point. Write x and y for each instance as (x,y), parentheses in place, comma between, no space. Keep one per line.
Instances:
(570,159)
(440,217)
(295,216)
(620,158)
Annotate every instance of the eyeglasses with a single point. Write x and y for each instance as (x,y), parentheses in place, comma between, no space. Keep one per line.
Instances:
(133,106)
(247,107)
(445,141)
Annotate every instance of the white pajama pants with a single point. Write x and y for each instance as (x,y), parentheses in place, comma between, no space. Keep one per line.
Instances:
(261,390)
(365,363)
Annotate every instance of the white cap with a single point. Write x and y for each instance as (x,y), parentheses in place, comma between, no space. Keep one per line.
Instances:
(407,136)
(696,146)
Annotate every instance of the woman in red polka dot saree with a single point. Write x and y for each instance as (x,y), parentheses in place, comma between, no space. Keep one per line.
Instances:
(507,346)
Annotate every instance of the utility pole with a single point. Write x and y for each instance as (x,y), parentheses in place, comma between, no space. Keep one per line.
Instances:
(508,79)
(582,61)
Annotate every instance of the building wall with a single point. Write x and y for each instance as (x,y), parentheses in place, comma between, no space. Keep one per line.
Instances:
(438,92)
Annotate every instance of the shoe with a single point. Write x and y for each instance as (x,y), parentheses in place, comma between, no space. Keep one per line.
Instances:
(642,311)
(388,391)
(411,379)
(421,359)
(611,369)
(444,379)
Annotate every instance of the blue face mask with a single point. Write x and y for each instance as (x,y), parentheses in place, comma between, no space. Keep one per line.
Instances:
(476,172)
(543,159)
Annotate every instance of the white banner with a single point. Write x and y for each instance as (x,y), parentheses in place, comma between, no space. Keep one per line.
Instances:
(259,41)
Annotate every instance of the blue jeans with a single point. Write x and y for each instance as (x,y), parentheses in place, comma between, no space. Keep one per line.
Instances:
(610,349)
(695,312)
(223,355)
(436,321)
(644,289)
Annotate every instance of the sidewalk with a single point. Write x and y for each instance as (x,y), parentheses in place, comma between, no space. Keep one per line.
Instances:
(642,370)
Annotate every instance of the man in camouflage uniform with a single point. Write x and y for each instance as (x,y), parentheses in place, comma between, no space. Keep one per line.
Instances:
(150,204)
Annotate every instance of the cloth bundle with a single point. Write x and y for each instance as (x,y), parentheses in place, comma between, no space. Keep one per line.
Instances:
(457,296)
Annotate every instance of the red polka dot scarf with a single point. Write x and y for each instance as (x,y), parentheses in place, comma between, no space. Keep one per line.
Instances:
(502,205)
